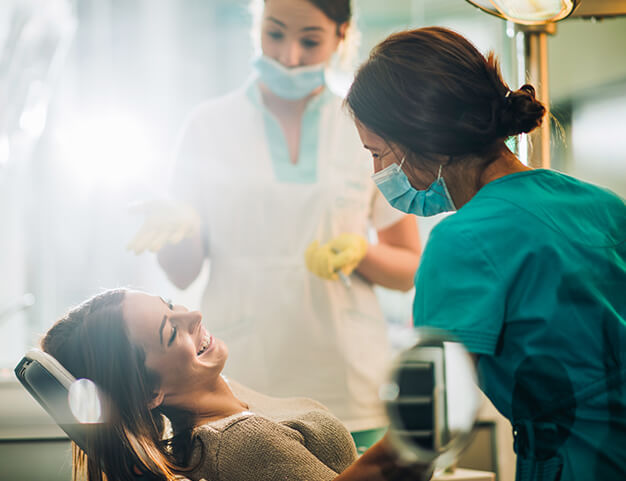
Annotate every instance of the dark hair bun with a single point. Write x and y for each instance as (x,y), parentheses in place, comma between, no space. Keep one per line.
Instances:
(521,112)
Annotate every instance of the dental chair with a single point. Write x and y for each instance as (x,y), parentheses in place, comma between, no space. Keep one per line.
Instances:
(49,383)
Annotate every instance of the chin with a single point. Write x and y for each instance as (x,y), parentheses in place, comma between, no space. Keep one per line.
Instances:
(222,350)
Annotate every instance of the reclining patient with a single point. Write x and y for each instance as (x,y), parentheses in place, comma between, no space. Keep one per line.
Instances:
(171,413)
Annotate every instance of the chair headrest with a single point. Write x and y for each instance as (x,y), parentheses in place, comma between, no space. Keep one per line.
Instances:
(49,383)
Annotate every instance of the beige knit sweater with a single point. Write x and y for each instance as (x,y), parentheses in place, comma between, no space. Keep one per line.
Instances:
(276,439)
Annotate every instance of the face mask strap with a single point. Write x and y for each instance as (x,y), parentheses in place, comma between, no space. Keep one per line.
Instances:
(439,174)
(402,161)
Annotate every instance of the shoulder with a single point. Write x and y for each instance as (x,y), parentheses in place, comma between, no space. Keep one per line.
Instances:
(465,247)
(455,229)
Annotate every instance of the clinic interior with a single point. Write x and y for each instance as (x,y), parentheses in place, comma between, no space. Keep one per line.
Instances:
(100,137)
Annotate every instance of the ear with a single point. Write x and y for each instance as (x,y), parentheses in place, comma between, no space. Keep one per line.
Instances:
(342,29)
(157,400)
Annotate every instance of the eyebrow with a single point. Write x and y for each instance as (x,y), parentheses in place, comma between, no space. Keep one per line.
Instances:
(161,328)
(369,148)
(305,29)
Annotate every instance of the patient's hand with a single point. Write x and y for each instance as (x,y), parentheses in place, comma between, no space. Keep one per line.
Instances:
(380,463)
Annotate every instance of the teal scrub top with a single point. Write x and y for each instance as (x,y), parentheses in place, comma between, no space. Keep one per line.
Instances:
(531,275)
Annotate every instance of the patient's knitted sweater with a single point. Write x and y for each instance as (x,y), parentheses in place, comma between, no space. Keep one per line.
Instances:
(276,439)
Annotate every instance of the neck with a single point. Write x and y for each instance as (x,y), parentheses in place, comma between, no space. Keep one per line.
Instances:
(467,180)
(209,404)
(284,107)
(506,163)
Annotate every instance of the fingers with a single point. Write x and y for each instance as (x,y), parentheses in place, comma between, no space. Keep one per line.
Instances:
(141,240)
(323,263)
(166,222)
(350,250)
(318,260)
(343,253)
(343,260)
(160,239)
(178,235)
(310,254)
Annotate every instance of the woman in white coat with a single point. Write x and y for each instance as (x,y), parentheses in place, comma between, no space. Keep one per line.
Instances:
(274,179)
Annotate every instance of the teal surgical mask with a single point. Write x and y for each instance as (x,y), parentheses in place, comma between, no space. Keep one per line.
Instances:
(395,186)
(289,83)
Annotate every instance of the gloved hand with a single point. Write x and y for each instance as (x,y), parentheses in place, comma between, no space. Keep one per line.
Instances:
(343,253)
(165,222)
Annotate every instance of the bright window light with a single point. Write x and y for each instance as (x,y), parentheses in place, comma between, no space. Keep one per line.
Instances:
(112,148)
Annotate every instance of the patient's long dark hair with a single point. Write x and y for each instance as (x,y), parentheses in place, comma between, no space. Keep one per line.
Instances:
(91,341)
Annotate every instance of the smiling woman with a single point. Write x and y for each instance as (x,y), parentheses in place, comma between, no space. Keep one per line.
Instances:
(156,362)
(185,356)
(171,412)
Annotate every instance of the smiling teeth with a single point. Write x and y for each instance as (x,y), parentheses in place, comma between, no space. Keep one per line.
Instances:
(205,344)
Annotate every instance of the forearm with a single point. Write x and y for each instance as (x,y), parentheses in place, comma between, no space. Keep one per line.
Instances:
(390,266)
(182,262)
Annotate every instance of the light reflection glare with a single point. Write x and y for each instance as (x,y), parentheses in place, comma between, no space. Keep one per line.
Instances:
(85,402)
(110,148)
(5,150)
(33,118)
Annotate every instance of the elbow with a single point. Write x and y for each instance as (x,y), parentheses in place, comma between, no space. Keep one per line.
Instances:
(406,286)
(181,282)
(402,284)
(407,282)
(183,278)
(179,270)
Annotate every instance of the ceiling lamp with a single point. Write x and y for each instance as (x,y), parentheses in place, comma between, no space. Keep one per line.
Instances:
(528,12)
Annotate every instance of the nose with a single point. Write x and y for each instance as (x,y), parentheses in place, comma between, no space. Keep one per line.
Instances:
(290,54)
(191,319)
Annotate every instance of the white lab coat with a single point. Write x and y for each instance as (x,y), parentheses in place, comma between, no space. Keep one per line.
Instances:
(289,333)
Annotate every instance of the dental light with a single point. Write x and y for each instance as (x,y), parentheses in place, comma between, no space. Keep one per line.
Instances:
(528,12)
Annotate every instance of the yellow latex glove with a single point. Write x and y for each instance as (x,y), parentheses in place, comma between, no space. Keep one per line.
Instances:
(165,222)
(343,253)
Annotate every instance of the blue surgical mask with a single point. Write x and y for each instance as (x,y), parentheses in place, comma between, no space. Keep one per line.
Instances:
(289,83)
(395,186)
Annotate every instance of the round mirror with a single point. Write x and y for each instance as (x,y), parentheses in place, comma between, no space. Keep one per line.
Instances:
(432,399)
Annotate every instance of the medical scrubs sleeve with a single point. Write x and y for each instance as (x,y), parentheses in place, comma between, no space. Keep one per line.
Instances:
(459,289)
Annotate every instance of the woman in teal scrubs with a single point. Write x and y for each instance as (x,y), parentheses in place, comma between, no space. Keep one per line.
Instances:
(529,272)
